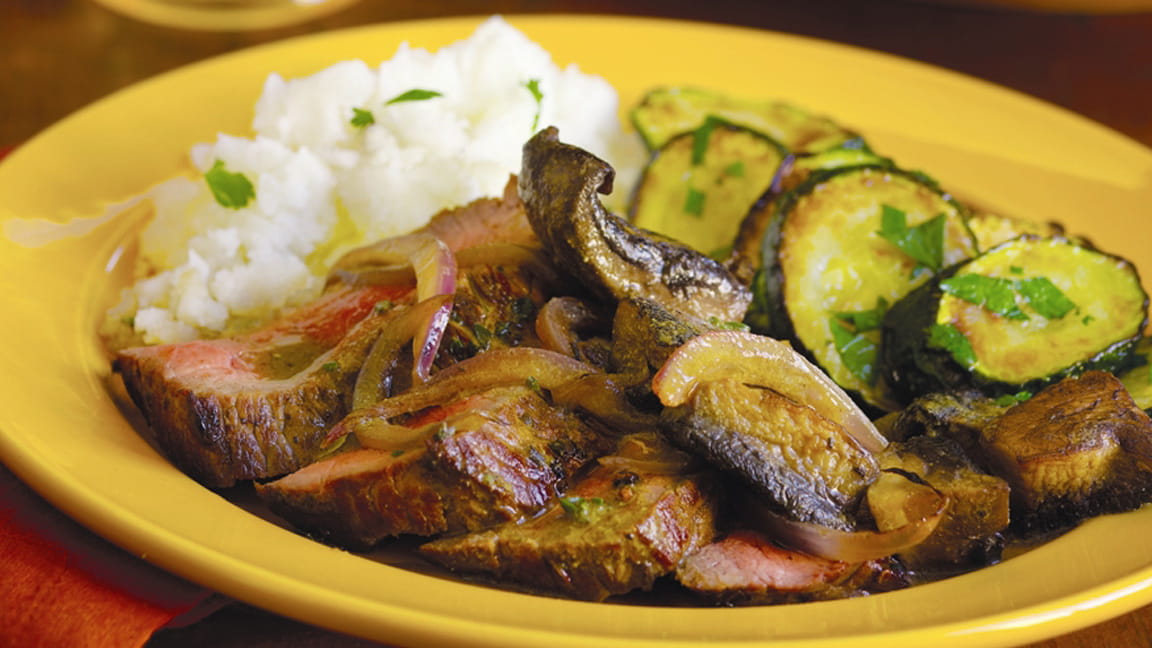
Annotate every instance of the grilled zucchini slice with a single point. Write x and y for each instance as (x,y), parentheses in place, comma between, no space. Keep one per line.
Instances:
(700,184)
(840,248)
(1016,318)
(667,112)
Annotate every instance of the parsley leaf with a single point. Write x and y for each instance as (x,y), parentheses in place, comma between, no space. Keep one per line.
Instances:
(993,293)
(231,190)
(1043,296)
(700,138)
(415,94)
(951,339)
(533,86)
(583,510)
(857,351)
(362,118)
(923,242)
(866,320)
(694,202)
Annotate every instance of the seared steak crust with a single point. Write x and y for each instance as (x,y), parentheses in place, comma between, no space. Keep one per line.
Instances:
(495,456)
(220,410)
(617,530)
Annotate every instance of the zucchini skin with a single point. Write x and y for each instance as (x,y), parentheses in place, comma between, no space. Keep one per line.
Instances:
(913,366)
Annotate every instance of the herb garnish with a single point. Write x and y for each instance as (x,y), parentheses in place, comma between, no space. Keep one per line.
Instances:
(1012,399)
(857,350)
(231,190)
(362,118)
(694,202)
(700,138)
(952,340)
(415,94)
(584,510)
(533,86)
(923,242)
(1044,297)
(993,293)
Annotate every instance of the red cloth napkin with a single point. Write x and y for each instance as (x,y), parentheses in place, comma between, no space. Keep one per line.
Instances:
(62,586)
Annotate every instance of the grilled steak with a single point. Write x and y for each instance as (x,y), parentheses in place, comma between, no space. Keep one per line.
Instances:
(747,568)
(491,457)
(618,529)
(257,406)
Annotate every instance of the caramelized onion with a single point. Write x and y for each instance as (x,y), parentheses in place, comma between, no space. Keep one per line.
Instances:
(763,362)
(431,260)
(924,507)
(559,322)
(512,366)
(423,323)
(647,456)
(602,396)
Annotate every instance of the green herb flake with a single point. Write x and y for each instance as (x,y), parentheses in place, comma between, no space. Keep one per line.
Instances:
(694,202)
(735,170)
(415,94)
(1087,319)
(1011,399)
(1044,297)
(483,336)
(700,138)
(397,453)
(1015,269)
(727,325)
(992,293)
(332,366)
(949,338)
(362,118)
(923,243)
(865,320)
(857,351)
(583,510)
(534,385)
(533,86)
(231,190)
(382,306)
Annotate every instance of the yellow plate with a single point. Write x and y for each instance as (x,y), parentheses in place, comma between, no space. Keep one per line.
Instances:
(63,433)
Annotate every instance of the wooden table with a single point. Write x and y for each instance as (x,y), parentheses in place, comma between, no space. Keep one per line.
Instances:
(59,55)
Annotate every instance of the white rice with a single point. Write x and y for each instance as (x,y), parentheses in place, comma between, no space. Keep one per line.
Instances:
(323,185)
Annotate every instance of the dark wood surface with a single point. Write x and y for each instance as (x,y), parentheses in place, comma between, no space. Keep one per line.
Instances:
(58,55)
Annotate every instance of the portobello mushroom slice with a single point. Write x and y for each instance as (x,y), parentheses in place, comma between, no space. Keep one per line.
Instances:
(1014,319)
(757,409)
(970,532)
(1079,448)
(560,186)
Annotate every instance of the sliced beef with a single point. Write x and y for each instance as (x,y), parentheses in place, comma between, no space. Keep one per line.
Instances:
(746,567)
(258,405)
(625,524)
(495,456)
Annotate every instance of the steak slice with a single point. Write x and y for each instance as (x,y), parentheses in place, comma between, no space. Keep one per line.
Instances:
(746,567)
(495,456)
(256,406)
(619,529)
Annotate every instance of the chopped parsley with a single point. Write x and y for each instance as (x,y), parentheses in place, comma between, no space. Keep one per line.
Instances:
(584,510)
(700,138)
(951,339)
(415,94)
(362,118)
(694,202)
(1012,399)
(332,366)
(231,190)
(735,170)
(992,293)
(534,385)
(1044,297)
(999,295)
(858,350)
(533,86)
(483,336)
(727,325)
(924,242)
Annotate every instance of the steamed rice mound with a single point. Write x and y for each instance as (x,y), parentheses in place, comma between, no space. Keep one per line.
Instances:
(323,185)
